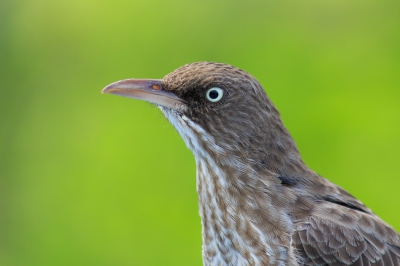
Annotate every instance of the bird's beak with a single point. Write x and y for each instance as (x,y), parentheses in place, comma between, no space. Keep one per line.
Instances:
(145,89)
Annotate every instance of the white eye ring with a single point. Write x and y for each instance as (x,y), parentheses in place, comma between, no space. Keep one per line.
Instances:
(214,94)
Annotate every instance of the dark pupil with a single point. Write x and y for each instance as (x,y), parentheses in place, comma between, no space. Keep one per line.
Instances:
(213,94)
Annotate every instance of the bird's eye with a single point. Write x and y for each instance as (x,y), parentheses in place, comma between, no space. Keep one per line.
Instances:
(214,94)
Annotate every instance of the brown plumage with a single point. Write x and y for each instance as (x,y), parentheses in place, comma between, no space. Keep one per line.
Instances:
(259,203)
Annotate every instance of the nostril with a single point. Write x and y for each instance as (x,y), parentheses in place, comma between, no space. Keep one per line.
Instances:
(156,87)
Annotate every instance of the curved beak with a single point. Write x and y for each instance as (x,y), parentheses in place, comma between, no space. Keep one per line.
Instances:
(145,89)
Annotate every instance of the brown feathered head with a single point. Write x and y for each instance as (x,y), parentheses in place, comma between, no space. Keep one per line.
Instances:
(220,110)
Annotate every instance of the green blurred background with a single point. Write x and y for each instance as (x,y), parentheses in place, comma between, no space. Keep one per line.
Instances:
(92,179)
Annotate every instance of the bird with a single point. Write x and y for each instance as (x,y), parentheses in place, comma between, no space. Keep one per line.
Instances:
(259,203)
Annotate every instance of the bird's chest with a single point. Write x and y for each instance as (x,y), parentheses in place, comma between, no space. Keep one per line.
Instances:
(229,235)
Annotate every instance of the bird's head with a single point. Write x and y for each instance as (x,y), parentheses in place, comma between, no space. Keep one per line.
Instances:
(219,110)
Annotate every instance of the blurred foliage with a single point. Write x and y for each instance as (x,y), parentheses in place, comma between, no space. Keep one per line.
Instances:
(91,179)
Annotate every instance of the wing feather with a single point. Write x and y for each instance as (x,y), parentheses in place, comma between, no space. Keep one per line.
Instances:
(336,235)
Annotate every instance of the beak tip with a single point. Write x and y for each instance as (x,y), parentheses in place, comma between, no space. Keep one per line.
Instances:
(108,88)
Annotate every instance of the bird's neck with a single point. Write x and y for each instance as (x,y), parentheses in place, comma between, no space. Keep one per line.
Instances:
(244,216)
(243,206)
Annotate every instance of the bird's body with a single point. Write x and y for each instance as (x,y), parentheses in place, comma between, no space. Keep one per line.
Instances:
(259,203)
